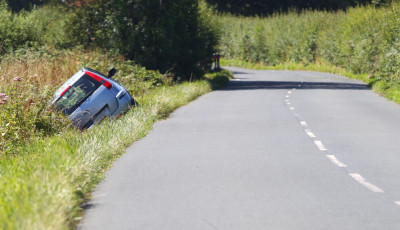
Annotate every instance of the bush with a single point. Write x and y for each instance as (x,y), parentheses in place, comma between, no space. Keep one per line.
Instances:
(170,36)
(362,40)
(25,115)
(18,30)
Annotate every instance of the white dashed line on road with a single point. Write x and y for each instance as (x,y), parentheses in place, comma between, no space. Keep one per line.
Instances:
(365,183)
(303,123)
(332,158)
(309,133)
(336,161)
(320,146)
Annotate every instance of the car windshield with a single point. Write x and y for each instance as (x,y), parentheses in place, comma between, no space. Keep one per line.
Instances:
(77,94)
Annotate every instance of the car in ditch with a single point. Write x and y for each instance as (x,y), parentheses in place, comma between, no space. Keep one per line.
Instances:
(88,97)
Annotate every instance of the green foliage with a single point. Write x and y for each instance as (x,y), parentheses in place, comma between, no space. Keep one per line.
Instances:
(219,79)
(362,40)
(170,36)
(24,113)
(45,186)
(30,77)
(17,30)
(32,29)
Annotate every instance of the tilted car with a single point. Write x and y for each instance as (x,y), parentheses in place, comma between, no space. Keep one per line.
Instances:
(88,97)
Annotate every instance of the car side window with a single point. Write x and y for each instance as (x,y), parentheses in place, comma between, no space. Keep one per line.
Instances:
(77,94)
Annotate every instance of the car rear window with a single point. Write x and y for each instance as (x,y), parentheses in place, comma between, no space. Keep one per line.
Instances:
(77,94)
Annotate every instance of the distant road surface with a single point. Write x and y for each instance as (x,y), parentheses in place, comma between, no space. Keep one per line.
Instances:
(272,150)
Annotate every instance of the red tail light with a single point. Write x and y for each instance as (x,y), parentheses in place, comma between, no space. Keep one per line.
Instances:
(107,84)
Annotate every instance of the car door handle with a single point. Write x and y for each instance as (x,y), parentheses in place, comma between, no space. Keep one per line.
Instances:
(120,94)
(85,112)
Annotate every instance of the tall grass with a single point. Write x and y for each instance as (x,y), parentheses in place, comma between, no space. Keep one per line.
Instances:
(45,177)
(29,78)
(362,41)
(43,187)
(48,168)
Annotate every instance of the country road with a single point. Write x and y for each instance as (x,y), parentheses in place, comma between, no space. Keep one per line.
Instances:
(272,150)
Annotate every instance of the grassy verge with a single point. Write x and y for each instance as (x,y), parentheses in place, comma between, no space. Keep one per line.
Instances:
(390,91)
(360,42)
(44,185)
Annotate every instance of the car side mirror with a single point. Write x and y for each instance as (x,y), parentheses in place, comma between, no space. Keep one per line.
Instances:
(112,72)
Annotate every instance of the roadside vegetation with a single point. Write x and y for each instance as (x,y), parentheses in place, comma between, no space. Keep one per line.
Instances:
(360,42)
(44,186)
(162,50)
(47,167)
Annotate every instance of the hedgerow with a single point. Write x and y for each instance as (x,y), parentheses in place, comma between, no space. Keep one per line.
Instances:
(361,40)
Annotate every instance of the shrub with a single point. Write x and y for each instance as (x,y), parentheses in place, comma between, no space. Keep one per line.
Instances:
(19,30)
(25,115)
(170,36)
(362,40)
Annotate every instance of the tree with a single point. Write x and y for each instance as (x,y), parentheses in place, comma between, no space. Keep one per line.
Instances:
(168,35)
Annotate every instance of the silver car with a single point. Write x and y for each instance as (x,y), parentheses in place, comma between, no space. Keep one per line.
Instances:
(89,97)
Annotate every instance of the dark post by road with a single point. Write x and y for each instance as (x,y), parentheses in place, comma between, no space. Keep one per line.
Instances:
(216,58)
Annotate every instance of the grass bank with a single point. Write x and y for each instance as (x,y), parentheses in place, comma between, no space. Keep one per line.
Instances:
(360,42)
(46,178)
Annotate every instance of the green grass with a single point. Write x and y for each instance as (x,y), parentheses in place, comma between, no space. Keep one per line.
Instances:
(44,186)
(47,168)
(360,43)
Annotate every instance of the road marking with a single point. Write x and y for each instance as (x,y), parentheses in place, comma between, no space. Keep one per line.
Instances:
(397,202)
(291,108)
(289,92)
(365,183)
(303,123)
(320,145)
(336,161)
(288,103)
(309,133)
(287,96)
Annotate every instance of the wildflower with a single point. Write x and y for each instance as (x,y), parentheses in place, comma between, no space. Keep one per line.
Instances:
(17,79)
(3,98)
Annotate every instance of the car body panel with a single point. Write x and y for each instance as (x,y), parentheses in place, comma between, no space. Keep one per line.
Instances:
(89,96)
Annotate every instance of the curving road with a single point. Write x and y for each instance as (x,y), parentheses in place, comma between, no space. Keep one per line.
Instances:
(273,150)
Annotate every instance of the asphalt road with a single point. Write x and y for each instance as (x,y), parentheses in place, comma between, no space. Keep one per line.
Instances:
(273,150)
